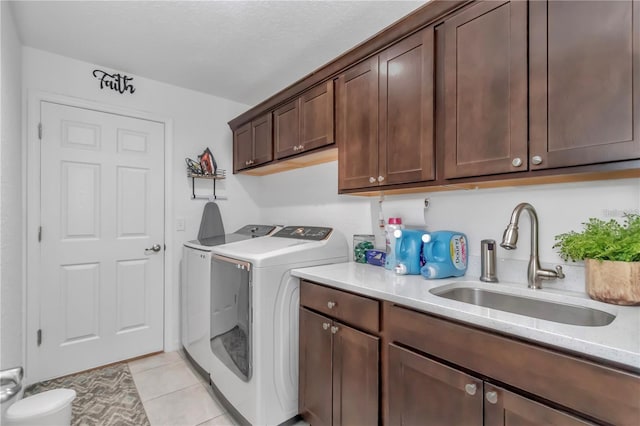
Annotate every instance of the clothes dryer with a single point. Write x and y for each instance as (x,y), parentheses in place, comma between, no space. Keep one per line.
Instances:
(254,325)
(196,286)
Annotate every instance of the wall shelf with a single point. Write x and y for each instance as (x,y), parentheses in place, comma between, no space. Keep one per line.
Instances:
(219,175)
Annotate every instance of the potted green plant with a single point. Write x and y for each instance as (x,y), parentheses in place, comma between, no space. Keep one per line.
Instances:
(611,252)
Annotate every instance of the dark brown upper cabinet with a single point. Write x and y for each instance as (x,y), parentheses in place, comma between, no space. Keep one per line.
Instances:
(585,82)
(385,116)
(252,143)
(305,123)
(485,78)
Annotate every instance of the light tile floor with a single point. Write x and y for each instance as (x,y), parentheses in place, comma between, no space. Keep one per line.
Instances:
(174,394)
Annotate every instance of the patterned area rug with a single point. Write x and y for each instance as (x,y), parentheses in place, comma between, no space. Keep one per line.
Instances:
(105,396)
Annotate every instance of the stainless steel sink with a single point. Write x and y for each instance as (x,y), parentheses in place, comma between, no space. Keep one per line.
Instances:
(521,305)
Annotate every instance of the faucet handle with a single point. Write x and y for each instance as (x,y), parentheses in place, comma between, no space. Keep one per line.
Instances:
(559,272)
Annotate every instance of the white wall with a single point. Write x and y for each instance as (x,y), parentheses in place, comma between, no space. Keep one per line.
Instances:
(11,247)
(309,196)
(199,120)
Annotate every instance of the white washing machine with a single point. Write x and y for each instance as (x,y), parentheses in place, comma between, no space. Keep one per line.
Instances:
(195,290)
(254,322)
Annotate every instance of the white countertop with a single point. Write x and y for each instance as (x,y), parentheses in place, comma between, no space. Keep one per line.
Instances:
(618,342)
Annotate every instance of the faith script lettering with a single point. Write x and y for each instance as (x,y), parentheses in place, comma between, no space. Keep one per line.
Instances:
(118,82)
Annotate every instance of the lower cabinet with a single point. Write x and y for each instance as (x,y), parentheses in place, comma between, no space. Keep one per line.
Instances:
(369,362)
(339,377)
(423,391)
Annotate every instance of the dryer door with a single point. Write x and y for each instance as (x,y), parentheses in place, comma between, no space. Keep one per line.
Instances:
(231,314)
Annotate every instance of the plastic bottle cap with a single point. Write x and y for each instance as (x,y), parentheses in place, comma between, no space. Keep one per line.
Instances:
(395,221)
(426,238)
(397,233)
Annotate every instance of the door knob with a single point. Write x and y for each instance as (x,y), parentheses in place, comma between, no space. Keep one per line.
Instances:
(156,248)
(536,159)
(334,329)
(325,325)
(330,305)
(372,179)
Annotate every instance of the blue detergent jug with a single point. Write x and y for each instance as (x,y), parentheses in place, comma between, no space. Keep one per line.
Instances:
(408,251)
(445,253)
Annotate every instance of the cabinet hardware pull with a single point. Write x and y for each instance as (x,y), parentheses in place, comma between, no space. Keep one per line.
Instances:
(536,159)
(334,329)
(492,397)
(372,179)
(470,388)
(295,148)
(380,178)
(301,147)
(331,305)
(325,325)
(517,162)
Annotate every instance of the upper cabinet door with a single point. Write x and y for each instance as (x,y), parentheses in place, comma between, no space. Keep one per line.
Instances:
(242,147)
(486,90)
(406,133)
(585,82)
(316,117)
(286,129)
(261,129)
(357,125)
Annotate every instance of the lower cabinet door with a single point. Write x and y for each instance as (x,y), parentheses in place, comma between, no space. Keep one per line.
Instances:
(315,369)
(355,376)
(424,392)
(507,408)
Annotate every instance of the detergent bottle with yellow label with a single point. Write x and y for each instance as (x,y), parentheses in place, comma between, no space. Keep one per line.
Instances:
(445,253)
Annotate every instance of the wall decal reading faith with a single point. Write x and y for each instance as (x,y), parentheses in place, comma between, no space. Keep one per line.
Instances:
(118,82)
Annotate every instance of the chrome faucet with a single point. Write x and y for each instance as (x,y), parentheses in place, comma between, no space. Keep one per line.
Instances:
(535,273)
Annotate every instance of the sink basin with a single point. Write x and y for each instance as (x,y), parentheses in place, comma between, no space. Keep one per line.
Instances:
(521,305)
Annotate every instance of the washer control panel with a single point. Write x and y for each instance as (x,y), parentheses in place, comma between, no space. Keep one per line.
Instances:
(312,233)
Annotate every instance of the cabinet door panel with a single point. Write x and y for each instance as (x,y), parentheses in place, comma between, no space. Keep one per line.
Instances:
(286,129)
(511,409)
(585,78)
(357,125)
(406,139)
(315,368)
(486,89)
(242,147)
(422,391)
(262,140)
(355,377)
(316,117)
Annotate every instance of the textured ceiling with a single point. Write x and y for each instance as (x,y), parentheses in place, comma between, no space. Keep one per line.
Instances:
(240,50)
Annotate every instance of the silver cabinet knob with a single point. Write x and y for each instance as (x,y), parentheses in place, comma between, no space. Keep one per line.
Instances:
(536,159)
(246,163)
(301,147)
(380,178)
(470,388)
(334,329)
(492,397)
(325,325)
(516,162)
(372,179)
(330,305)
(295,148)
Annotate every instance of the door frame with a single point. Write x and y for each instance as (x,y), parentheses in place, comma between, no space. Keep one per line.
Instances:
(31,211)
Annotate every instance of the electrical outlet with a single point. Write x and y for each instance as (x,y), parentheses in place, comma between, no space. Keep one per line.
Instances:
(180,224)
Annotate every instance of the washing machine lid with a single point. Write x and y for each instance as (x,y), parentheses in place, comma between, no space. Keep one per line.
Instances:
(247,232)
(290,245)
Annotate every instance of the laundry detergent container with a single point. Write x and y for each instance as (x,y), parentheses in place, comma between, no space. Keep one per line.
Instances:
(445,254)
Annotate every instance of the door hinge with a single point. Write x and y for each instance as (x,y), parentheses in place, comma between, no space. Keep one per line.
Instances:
(40,131)
(39,336)
(40,234)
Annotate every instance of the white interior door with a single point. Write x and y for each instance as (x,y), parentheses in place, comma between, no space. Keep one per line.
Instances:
(102,209)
